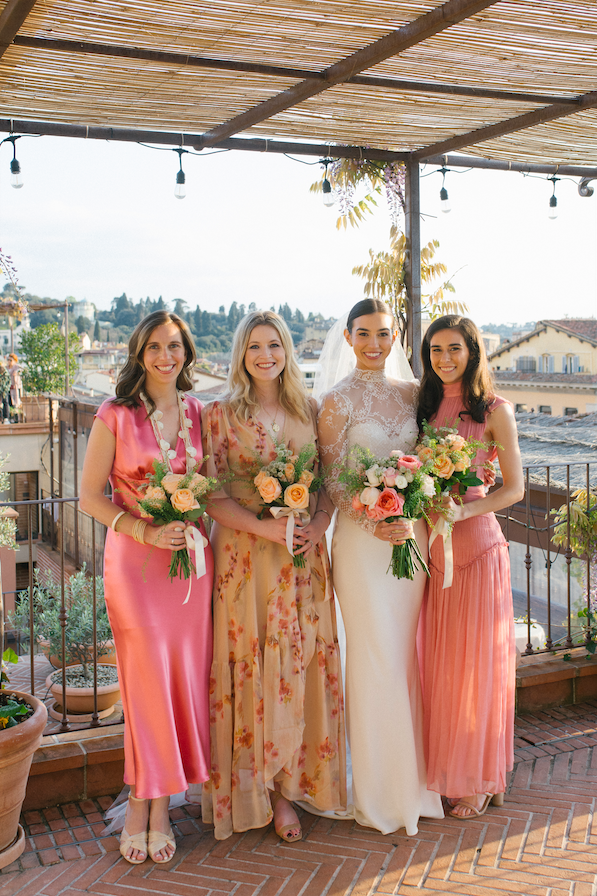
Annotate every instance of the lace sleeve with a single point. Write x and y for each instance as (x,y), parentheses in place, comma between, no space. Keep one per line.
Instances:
(332,427)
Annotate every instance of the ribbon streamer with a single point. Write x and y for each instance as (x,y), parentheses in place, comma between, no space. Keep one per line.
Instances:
(293,515)
(442,527)
(195,542)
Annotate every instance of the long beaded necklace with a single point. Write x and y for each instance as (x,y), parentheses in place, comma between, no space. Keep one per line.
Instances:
(169,453)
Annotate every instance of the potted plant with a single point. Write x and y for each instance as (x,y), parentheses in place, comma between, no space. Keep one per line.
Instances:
(78,636)
(22,722)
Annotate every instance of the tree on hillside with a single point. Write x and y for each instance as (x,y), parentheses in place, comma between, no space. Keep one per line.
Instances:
(96,332)
(43,354)
(83,324)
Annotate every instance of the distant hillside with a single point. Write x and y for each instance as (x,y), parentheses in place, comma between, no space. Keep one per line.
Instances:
(506,330)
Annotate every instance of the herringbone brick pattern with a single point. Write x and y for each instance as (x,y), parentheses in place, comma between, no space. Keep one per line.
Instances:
(543,842)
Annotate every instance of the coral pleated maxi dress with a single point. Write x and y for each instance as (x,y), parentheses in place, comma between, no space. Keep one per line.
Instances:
(467,634)
(163,646)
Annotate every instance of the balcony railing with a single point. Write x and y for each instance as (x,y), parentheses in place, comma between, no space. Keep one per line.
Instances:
(550,585)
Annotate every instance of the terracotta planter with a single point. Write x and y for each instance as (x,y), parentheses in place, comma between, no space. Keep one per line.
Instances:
(105,658)
(17,746)
(80,700)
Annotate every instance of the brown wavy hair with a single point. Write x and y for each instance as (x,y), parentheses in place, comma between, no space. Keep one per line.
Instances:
(477,384)
(131,378)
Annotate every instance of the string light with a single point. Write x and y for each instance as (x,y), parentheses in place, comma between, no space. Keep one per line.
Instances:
(553,202)
(443,194)
(180,189)
(329,197)
(16,178)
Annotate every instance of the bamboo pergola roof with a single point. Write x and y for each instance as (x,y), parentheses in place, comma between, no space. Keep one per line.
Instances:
(513,81)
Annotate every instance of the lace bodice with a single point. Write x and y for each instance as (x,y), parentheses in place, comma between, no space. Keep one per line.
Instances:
(370,410)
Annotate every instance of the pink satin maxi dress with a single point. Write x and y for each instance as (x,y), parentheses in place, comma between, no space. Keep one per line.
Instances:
(163,646)
(467,635)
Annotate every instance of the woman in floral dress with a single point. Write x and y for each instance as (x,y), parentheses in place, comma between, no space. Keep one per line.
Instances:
(277,730)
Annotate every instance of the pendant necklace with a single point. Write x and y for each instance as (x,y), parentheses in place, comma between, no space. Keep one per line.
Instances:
(274,426)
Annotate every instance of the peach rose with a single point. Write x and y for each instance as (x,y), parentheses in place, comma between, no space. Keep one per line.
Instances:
(269,489)
(289,472)
(155,493)
(443,466)
(455,441)
(196,481)
(356,504)
(261,475)
(389,503)
(297,496)
(410,462)
(170,482)
(306,478)
(183,500)
(425,453)
(461,465)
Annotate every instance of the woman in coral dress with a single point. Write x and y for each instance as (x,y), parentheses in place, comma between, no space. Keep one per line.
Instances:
(467,628)
(163,644)
(277,730)
(383,695)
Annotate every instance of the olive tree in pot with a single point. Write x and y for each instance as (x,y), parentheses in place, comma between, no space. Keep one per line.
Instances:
(78,637)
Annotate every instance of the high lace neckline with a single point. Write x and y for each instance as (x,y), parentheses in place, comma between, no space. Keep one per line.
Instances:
(369,376)
(452,390)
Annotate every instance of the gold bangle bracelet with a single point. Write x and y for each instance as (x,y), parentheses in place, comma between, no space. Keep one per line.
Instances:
(138,531)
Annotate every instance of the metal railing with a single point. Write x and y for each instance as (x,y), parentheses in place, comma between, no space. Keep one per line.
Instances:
(549,604)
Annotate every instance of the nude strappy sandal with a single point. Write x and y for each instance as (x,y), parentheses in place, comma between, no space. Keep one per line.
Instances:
(133,841)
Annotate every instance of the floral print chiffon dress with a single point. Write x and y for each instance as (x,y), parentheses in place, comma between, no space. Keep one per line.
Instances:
(276,707)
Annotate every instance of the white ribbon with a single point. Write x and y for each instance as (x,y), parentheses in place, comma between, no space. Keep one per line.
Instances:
(302,515)
(442,527)
(195,542)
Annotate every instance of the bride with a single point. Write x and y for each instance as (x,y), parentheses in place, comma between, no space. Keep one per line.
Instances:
(380,612)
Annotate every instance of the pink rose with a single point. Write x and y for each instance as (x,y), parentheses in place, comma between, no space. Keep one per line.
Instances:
(389,477)
(390,503)
(410,462)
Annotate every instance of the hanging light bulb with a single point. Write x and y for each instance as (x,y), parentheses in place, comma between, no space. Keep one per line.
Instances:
(443,194)
(553,202)
(329,197)
(180,189)
(16,178)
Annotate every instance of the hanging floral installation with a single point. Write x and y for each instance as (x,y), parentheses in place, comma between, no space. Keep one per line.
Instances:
(346,175)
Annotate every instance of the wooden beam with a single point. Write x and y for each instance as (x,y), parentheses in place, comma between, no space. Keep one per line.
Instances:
(510,126)
(258,68)
(420,29)
(11,18)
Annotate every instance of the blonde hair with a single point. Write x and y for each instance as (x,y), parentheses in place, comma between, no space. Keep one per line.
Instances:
(241,394)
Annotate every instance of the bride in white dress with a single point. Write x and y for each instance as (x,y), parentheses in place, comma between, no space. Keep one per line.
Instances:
(380,613)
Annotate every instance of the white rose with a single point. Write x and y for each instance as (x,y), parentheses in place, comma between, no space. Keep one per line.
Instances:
(374,475)
(427,486)
(401,481)
(369,496)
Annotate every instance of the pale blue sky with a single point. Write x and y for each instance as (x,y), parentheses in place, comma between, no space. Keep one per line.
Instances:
(95,219)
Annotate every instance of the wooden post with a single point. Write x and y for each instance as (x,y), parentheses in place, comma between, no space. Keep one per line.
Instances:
(413,265)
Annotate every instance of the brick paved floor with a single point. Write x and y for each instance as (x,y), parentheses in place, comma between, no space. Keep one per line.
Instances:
(543,842)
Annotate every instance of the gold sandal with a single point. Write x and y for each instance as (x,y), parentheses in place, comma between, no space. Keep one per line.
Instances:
(284,832)
(157,842)
(496,798)
(133,841)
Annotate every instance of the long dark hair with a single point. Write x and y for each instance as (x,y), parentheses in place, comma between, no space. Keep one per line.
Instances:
(477,384)
(131,378)
(368,306)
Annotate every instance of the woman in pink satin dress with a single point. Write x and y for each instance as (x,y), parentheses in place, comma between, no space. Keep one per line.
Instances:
(164,645)
(467,629)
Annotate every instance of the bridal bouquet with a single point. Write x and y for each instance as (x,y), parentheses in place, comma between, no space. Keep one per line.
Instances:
(388,489)
(285,485)
(448,457)
(176,496)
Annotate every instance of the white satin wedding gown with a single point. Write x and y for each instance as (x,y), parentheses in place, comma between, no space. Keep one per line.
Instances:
(384,711)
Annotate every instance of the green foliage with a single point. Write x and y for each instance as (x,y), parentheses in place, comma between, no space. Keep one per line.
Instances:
(8,527)
(385,275)
(78,598)
(43,352)
(582,516)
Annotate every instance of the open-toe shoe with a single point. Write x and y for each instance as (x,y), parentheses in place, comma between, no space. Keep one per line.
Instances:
(133,841)
(157,842)
(285,832)
(496,798)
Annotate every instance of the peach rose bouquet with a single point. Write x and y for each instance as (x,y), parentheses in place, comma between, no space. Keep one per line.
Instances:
(387,489)
(285,484)
(171,496)
(449,457)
